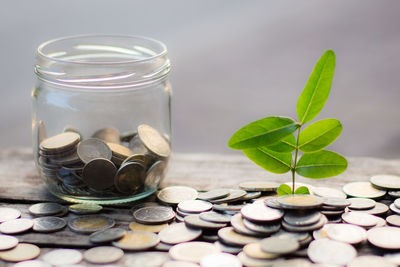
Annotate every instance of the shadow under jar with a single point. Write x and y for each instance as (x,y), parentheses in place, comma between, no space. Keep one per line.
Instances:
(101,118)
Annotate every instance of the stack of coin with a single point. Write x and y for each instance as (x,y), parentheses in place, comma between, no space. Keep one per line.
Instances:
(105,165)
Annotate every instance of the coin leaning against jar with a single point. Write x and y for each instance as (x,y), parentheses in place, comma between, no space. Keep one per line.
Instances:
(101,165)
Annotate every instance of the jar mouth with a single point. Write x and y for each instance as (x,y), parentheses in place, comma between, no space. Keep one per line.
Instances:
(102,60)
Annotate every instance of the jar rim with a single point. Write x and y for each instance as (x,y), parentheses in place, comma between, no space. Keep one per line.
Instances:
(44,45)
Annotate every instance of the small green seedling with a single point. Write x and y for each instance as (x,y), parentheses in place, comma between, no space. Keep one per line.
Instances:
(270,142)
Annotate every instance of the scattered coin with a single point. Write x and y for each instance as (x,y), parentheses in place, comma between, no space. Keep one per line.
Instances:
(395,209)
(230,237)
(264,229)
(197,206)
(361,203)
(299,201)
(393,220)
(48,224)
(32,263)
(60,142)
(216,217)
(21,252)
(276,245)
(261,213)
(178,233)
(146,259)
(394,194)
(8,214)
(227,248)
(264,186)
(387,237)
(194,221)
(154,215)
(137,240)
(214,194)
(45,209)
(397,203)
(163,247)
(88,224)
(129,178)
(176,194)
(386,181)
(7,242)
(154,174)
(93,148)
(336,202)
(254,250)
(192,251)
(227,208)
(360,218)
(234,195)
(154,228)
(322,233)
(251,196)
(305,228)
(326,251)
(362,189)
(109,134)
(300,219)
(347,233)
(370,261)
(103,255)
(179,264)
(154,141)
(85,208)
(63,257)
(16,226)
(393,258)
(120,151)
(99,173)
(379,209)
(253,262)
(327,192)
(272,203)
(218,259)
(239,226)
(107,235)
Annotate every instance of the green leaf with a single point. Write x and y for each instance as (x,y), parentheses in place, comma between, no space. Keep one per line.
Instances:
(316,91)
(262,132)
(320,134)
(269,160)
(302,190)
(285,145)
(321,164)
(284,189)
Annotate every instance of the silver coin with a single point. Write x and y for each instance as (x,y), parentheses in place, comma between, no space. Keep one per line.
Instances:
(48,224)
(276,245)
(361,203)
(397,203)
(197,206)
(381,222)
(129,178)
(254,250)
(253,262)
(238,224)
(183,214)
(394,209)
(336,202)
(228,208)
(99,174)
(66,160)
(7,242)
(179,264)
(251,196)
(163,247)
(127,136)
(155,174)
(393,257)
(214,194)
(8,214)
(306,228)
(32,263)
(327,192)
(360,219)
(137,240)
(59,143)
(194,221)
(234,194)
(299,201)
(88,224)
(393,220)
(226,248)
(300,237)
(45,209)
(146,259)
(261,213)
(272,203)
(326,251)
(192,251)
(347,233)
(103,255)
(154,215)
(16,226)
(154,141)
(300,219)
(230,237)
(85,208)
(93,148)
(209,238)
(216,217)
(387,237)
(394,194)
(297,262)
(218,259)
(107,235)
(386,181)
(332,212)
(370,261)
(322,233)
(175,194)
(264,186)
(178,233)
(362,189)
(379,209)
(265,229)
(63,257)
(109,134)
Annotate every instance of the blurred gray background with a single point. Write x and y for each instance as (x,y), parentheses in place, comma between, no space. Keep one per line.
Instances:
(233,62)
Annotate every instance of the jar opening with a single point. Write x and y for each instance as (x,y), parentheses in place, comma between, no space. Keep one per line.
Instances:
(102,61)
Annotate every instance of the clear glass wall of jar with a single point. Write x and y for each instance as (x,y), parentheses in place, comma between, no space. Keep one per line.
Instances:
(101,118)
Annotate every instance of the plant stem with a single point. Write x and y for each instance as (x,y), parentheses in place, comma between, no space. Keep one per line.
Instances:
(294,163)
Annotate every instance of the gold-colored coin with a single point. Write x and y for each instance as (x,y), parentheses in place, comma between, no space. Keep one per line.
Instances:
(137,240)
(258,186)
(21,252)
(137,158)
(120,151)
(90,223)
(155,228)
(254,250)
(60,142)
(362,189)
(230,237)
(299,201)
(154,141)
(85,208)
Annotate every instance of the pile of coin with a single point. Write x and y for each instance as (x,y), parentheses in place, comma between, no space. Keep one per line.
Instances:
(106,165)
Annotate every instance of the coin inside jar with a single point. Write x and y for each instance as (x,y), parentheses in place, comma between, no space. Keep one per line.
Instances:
(109,134)
(154,141)
(129,178)
(120,151)
(93,148)
(99,173)
(60,142)
(155,174)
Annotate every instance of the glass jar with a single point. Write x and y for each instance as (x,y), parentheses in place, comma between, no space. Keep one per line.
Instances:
(101,118)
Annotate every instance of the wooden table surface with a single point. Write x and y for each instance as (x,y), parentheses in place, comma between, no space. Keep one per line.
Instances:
(20,185)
